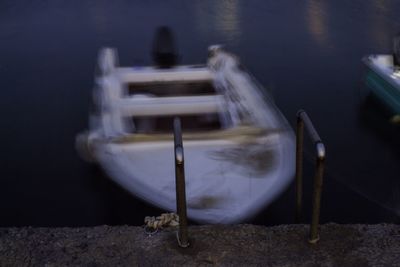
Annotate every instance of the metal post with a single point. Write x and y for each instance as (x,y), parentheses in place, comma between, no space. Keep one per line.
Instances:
(299,168)
(302,118)
(183,239)
(319,172)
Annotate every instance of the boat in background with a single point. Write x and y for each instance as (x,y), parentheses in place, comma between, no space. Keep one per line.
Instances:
(383,77)
(239,148)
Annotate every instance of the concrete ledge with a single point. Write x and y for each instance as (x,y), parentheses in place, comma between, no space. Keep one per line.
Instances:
(239,245)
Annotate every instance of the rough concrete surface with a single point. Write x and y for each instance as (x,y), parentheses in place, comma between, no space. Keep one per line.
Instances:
(217,245)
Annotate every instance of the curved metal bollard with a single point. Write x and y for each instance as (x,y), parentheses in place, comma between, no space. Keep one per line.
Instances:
(303,119)
(183,239)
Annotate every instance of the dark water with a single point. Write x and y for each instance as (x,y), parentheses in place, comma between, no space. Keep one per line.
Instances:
(307,53)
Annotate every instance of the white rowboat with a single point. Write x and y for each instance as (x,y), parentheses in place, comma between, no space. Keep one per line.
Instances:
(239,149)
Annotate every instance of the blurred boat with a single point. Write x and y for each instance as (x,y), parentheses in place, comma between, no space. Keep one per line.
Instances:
(239,149)
(383,79)
(383,76)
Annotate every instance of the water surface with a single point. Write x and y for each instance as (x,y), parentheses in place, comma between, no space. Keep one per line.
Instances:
(306,53)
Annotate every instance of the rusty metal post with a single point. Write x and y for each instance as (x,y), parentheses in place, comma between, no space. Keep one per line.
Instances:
(183,239)
(303,119)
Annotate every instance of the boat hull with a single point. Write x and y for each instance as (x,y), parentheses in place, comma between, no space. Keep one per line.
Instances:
(227,181)
(383,85)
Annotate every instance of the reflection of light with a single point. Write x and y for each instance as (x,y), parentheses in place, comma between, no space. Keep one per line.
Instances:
(223,16)
(227,20)
(316,20)
(379,26)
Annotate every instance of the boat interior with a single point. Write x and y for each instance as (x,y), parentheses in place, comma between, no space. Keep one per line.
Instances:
(164,124)
(191,88)
(152,105)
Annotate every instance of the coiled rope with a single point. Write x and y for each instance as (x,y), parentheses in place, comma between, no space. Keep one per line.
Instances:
(162,221)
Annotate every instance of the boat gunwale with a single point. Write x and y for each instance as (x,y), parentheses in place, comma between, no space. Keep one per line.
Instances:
(238,133)
(369,63)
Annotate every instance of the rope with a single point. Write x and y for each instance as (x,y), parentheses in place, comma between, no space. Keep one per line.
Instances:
(162,221)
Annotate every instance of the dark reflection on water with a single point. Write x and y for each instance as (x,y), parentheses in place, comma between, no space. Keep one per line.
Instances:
(307,54)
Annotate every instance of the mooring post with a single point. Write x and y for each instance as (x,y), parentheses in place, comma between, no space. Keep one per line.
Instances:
(303,119)
(183,239)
